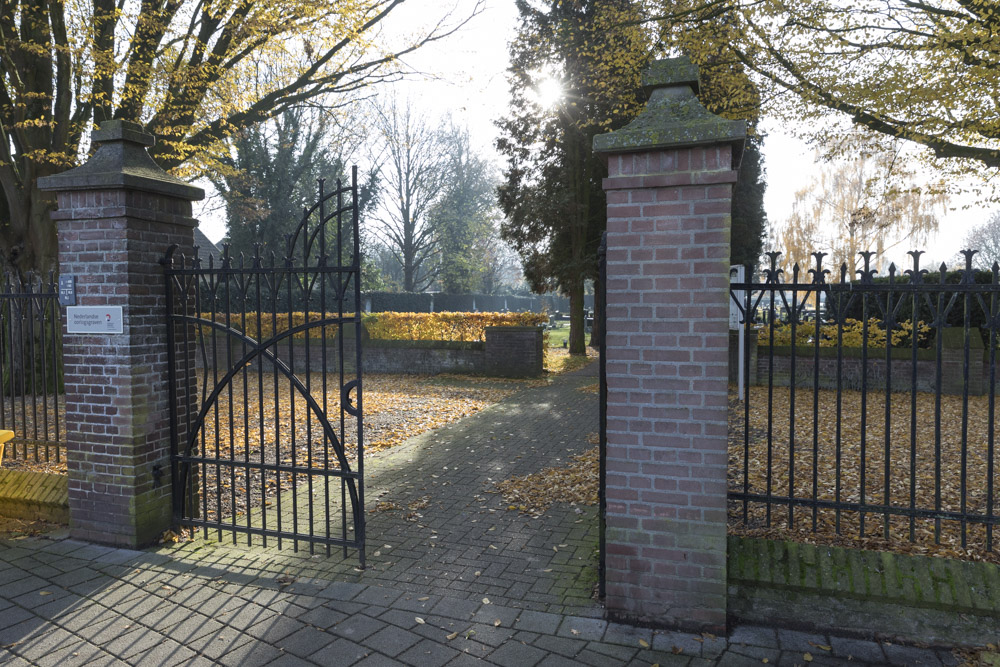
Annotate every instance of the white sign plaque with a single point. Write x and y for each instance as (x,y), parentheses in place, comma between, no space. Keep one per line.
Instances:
(94,319)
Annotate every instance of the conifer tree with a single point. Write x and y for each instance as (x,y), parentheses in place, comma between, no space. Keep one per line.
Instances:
(593,51)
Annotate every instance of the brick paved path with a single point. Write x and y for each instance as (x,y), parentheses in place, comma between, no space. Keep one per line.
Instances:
(455,580)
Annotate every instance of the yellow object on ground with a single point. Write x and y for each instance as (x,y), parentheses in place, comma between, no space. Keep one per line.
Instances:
(4,437)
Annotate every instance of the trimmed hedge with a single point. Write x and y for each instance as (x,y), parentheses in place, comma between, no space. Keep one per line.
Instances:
(443,326)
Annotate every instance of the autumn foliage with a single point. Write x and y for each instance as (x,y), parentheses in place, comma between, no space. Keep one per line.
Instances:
(445,326)
(384,326)
(851,335)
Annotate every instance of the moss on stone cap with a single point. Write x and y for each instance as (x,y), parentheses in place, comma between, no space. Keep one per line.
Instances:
(121,161)
(671,72)
(673,117)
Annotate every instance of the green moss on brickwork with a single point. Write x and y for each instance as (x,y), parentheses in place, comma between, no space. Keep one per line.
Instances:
(919,581)
(34,496)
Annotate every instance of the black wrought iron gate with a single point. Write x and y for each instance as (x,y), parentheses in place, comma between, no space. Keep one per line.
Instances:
(265,380)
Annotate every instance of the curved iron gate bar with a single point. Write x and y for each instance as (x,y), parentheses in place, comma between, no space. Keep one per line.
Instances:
(309,239)
(288,373)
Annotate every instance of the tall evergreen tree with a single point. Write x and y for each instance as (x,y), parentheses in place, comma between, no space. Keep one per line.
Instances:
(463,216)
(725,88)
(749,219)
(271,176)
(595,51)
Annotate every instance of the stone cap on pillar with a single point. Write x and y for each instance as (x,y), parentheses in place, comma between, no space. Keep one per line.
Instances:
(673,117)
(121,161)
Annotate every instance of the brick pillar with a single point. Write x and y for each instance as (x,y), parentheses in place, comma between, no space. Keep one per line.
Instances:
(669,189)
(117,215)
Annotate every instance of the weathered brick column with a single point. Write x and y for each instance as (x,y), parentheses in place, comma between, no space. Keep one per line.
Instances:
(669,187)
(117,215)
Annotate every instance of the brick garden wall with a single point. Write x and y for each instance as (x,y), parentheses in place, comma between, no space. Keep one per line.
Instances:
(508,352)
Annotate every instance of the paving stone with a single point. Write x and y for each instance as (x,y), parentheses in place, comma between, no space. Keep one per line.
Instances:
(194,627)
(289,660)
(561,645)
(23,631)
(589,629)
(341,590)
(165,652)
(465,660)
(793,640)
(738,660)
(377,595)
(856,649)
(428,653)
(217,644)
(246,616)
(272,631)
(899,654)
(415,604)
(357,627)
(78,654)
(557,661)
(322,617)
(753,635)
(12,617)
(623,653)
(515,654)
(23,584)
(452,608)
(45,643)
(391,640)
(627,635)
(305,641)
(594,659)
(756,653)
(378,660)
(340,652)
(251,654)
(689,645)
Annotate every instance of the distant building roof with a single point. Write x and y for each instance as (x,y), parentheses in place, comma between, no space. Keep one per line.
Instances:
(206,248)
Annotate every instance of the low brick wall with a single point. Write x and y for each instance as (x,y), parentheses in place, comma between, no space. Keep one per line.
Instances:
(899,369)
(507,352)
(940,601)
(34,496)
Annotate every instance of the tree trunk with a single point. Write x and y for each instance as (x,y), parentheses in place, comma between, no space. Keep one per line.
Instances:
(28,242)
(577,340)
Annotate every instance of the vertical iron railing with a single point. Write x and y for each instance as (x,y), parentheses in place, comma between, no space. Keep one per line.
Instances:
(31,374)
(874,409)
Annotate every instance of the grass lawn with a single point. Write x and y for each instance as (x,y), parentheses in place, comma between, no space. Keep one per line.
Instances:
(558,336)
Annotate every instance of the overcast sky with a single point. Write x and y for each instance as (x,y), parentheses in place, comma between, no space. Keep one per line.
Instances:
(469,83)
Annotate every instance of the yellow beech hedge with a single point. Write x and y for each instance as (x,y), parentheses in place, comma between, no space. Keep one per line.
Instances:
(445,326)
(853,334)
(386,326)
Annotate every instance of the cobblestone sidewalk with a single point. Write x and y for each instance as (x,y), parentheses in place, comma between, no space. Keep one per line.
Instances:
(454,578)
